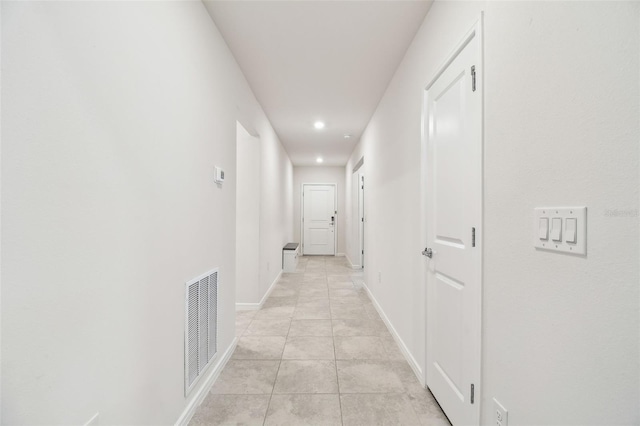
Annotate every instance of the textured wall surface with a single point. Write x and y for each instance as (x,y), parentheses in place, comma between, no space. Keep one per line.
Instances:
(114,116)
(560,332)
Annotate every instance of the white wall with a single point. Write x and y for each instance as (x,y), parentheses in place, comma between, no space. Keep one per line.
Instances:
(247,217)
(320,174)
(114,115)
(560,333)
(276,208)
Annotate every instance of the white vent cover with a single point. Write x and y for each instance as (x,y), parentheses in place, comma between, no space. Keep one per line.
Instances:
(201,326)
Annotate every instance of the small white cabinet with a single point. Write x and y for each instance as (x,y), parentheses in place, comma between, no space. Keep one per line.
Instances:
(290,257)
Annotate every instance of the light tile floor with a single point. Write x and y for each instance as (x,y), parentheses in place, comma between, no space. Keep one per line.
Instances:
(317,353)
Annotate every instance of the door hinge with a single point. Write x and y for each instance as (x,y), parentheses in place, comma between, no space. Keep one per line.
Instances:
(473,237)
(362,219)
(473,78)
(362,251)
(472,392)
(362,186)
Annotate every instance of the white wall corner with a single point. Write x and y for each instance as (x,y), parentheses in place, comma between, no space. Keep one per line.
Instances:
(353,266)
(199,396)
(258,306)
(403,348)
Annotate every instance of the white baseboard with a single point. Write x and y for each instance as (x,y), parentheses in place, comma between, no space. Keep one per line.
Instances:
(247,306)
(258,306)
(203,391)
(353,266)
(403,348)
(340,254)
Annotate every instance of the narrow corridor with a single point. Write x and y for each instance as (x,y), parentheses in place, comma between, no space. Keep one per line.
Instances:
(317,353)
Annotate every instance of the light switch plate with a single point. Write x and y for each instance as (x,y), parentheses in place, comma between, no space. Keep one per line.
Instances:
(563,213)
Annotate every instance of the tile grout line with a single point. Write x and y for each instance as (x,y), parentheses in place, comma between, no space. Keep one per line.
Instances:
(370,317)
(275,380)
(335,355)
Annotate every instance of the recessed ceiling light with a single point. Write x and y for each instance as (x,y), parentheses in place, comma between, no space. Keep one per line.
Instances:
(347,135)
(319,160)
(318,125)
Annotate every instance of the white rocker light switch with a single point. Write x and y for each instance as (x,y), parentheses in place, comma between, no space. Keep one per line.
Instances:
(543,228)
(571,225)
(556,229)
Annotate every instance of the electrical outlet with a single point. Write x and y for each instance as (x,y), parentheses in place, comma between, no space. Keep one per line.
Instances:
(499,414)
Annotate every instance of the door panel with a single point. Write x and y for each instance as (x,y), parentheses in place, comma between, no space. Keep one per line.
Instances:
(453,188)
(318,236)
(318,207)
(449,350)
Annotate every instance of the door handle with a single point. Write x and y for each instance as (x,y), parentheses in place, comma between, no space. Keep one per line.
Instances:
(427,252)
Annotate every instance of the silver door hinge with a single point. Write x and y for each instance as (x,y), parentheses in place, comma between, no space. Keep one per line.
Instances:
(473,78)
(473,237)
(472,392)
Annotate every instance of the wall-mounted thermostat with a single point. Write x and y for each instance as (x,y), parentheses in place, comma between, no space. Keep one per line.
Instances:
(219,175)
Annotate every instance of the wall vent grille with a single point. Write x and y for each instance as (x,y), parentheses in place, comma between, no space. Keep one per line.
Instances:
(201,327)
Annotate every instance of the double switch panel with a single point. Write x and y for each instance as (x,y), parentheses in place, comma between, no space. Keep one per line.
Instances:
(561,229)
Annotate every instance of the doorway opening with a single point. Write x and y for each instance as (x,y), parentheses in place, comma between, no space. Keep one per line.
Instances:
(247,217)
(357,194)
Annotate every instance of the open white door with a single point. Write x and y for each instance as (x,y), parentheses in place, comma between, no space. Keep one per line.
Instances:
(319,217)
(453,209)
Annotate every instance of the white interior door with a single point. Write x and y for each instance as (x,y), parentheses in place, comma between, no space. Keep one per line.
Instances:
(453,148)
(319,217)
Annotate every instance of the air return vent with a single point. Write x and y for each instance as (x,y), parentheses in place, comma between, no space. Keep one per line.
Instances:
(201,327)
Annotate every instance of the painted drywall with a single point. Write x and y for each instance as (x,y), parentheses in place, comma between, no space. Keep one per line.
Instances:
(320,174)
(276,206)
(560,332)
(573,319)
(114,116)
(247,217)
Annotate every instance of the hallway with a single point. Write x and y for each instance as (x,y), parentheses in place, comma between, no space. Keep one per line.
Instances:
(317,353)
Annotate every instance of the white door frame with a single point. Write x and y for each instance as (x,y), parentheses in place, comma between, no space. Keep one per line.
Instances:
(475,32)
(361,215)
(335,203)
(358,220)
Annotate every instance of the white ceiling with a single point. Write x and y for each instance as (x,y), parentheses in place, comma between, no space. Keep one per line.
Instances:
(318,60)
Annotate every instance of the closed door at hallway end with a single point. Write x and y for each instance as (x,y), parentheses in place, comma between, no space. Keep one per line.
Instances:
(319,219)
